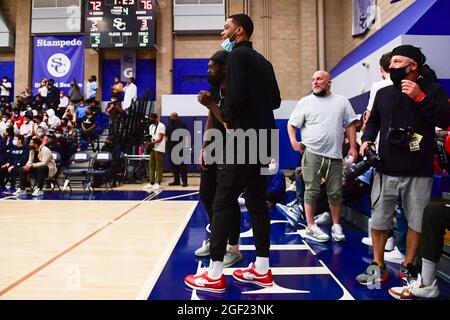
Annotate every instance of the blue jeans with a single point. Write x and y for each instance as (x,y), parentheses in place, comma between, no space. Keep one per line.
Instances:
(402,226)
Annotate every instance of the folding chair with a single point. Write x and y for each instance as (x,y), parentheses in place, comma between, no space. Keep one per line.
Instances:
(77,170)
(103,160)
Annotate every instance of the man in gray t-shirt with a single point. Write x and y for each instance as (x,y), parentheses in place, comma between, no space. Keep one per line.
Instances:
(323,118)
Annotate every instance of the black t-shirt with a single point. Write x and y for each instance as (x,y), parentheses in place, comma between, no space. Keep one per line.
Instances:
(218,95)
(170,129)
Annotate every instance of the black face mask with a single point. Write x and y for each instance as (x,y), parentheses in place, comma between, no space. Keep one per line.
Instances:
(214,80)
(322,93)
(397,75)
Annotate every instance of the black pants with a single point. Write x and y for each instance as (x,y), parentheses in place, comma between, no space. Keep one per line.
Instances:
(15,172)
(436,218)
(274,198)
(208,184)
(231,181)
(40,174)
(179,170)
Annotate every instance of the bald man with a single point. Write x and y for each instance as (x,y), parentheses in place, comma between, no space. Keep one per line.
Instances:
(179,170)
(322,118)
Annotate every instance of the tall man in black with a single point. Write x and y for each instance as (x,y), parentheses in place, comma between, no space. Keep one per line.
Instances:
(177,169)
(252,95)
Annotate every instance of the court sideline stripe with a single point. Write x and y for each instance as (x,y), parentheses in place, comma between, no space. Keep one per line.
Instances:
(49,262)
(154,276)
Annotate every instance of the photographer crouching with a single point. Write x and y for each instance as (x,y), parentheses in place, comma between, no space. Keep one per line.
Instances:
(405,114)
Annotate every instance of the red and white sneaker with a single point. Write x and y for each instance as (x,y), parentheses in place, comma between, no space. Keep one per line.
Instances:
(251,276)
(201,281)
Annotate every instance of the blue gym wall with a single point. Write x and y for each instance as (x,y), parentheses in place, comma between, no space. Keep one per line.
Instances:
(145,75)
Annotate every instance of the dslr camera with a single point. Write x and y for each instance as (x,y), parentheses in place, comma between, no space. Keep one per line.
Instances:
(372,160)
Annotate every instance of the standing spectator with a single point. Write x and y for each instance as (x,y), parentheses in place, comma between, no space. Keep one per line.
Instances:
(252,95)
(115,112)
(91,89)
(157,145)
(53,95)
(5,89)
(63,104)
(117,89)
(43,90)
(41,164)
(88,126)
(177,169)
(436,219)
(130,94)
(322,118)
(405,115)
(75,96)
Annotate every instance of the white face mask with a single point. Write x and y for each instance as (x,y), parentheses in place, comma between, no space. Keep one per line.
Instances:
(15,142)
(40,134)
(58,135)
(273,168)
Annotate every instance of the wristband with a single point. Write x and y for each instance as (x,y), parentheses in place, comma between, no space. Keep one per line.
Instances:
(421,96)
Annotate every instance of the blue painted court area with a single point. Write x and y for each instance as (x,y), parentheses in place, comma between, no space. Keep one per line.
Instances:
(302,270)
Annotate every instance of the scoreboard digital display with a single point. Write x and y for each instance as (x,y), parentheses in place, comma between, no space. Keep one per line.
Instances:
(120,24)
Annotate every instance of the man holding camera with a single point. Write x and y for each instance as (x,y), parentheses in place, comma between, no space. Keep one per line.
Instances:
(405,114)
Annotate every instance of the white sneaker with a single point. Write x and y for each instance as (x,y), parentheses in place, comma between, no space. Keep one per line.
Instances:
(316,234)
(394,256)
(203,251)
(148,186)
(337,233)
(390,243)
(416,289)
(323,218)
(292,187)
(19,192)
(156,186)
(38,193)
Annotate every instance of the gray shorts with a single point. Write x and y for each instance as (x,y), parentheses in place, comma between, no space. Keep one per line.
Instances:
(415,193)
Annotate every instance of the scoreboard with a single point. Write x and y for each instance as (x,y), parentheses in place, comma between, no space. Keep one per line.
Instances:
(120,23)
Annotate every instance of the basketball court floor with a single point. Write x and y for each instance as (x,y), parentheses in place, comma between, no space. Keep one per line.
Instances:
(132,244)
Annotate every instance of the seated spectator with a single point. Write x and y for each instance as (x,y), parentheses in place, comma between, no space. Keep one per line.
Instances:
(39,103)
(18,157)
(39,123)
(41,134)
(276,186)
(436,219)
(8,138)
(27,129)
(59,144)
(4,123)
(73,137)
(53,121)
(88,126)
(17,119)
(81,112)
(63,104)
(41,164)
(70,111)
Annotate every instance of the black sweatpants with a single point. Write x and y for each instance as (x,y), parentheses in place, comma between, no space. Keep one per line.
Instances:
(231,181)
(15,172)
(40,174)
(208,185)
(436,218)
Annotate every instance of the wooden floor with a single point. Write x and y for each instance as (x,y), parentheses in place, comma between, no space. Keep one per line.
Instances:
(86,249)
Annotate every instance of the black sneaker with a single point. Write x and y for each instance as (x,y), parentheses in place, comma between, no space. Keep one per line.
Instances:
(174,184)
(409,272)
